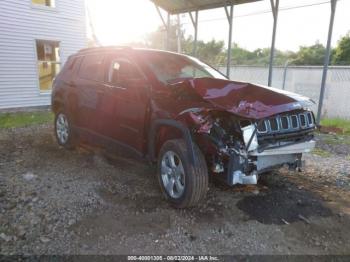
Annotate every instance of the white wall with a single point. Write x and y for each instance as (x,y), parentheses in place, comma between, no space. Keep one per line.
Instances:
(21,23)
(305,80)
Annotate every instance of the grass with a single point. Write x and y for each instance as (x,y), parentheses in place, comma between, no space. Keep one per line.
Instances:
(321,152)
(338,123)
(337,140)
(22,119)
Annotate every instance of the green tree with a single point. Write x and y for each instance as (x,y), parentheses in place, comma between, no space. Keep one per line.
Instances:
(209,52)
(341,54)
(215,53)
(241,56)
(259,57)
(310,55)
(158,39)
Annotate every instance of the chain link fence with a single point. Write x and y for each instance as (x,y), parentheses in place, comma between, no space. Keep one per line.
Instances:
(304,80)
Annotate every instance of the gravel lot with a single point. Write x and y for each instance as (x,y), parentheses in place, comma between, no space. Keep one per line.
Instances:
(54,201)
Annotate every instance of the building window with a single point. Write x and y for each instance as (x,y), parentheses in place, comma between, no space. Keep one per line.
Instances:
(49,3)
(48,54)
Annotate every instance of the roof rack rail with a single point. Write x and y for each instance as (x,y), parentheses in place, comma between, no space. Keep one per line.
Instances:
(92,49)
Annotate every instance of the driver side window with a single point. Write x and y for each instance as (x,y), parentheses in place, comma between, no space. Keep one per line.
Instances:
(122,70)
(191,71)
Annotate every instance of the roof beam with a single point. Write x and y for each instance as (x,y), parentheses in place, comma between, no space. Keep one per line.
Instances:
(160,15)
(166,25)
(185,6)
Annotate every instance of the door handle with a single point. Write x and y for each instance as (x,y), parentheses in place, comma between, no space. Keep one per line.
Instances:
(109,86)
(114,87)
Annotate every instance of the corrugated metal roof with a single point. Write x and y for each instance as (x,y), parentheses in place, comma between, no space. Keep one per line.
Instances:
(182,6)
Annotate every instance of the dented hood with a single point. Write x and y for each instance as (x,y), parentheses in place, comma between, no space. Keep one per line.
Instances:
(245,99)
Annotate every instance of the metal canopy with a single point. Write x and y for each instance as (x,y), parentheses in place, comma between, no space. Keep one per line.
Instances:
(184,6)
(190,6)
(194,6)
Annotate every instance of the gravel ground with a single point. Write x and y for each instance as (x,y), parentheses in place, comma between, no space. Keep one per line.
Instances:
(55,201)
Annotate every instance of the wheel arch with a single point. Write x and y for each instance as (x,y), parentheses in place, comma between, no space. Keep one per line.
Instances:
(56,105)
(164,129)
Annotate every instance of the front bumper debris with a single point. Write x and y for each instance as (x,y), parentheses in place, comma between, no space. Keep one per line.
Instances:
(304,147)
(290,155)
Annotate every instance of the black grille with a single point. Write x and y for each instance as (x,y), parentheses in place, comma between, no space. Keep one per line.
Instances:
(303,120)
(294,121)
(310,118)
(274,124)
(262,127)
(286,123)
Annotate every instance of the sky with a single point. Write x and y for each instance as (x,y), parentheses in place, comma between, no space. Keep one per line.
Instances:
(117,22)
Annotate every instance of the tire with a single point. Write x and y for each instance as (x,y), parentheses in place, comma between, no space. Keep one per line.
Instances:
(182,185)
(63,131)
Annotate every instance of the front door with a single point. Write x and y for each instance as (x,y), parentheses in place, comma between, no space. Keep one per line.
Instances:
(125,102)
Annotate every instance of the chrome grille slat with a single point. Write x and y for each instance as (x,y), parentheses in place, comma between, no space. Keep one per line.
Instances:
(277,122)
(265,128)
(302,115)
(310,119)
(295,122)
(288,122)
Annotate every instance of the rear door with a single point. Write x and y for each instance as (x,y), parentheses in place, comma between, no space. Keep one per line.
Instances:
(90,88)
(126,101)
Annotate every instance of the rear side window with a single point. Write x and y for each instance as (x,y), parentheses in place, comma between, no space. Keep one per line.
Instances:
(70,67)
(92,68)
(71,64)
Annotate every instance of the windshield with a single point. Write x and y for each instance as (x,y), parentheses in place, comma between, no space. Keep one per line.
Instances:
(170,68)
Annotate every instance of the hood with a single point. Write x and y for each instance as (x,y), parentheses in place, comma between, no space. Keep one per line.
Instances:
(245,99)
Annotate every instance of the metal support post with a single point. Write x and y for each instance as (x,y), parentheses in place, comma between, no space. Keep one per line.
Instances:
(165,24)
(195,25)
(285,74)
(168,33)
(326,61)
(229,15)
(178,34)
(274,7)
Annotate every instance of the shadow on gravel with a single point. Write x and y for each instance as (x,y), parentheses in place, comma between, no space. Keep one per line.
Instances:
(283,203)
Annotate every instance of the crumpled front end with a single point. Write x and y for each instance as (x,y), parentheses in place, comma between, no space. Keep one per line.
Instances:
(237,150)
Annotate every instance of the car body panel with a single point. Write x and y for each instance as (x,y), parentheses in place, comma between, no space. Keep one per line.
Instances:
(246,99)
(216,113)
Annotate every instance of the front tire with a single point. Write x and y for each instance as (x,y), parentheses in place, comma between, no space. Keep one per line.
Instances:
(63,131)
(181,183)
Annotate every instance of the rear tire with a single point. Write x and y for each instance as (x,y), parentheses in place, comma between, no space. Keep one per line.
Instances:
(63,130)
(182,184)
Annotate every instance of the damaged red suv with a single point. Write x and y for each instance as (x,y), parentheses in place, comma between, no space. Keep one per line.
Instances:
(182,114)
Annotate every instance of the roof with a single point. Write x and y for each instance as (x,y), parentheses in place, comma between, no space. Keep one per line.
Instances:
(91,50)
(103,48)
(183,6)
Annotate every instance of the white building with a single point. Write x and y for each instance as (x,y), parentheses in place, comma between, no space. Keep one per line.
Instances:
(36,37)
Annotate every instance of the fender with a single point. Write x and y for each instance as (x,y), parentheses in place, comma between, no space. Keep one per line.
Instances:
(185,133)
